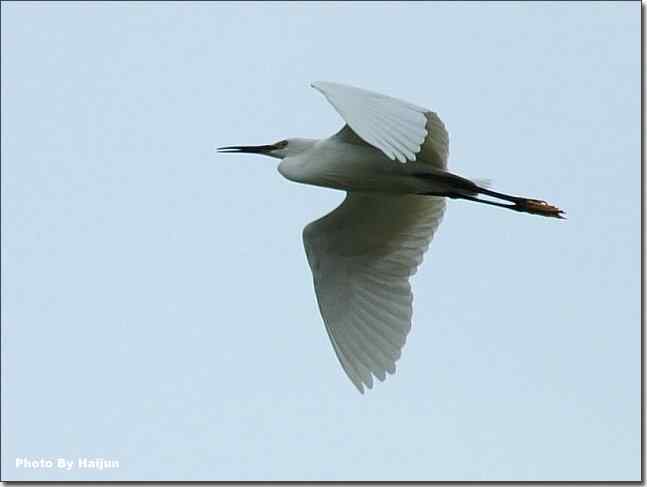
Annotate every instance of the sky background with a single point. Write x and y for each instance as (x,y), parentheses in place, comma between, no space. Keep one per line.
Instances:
(157,307)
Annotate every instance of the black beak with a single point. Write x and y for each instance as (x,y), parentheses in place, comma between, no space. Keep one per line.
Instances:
(252,149)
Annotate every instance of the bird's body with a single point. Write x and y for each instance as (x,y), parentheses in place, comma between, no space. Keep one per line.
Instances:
(339,164)
(391,159)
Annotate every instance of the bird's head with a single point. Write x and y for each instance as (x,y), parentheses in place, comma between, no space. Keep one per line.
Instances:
(279,150)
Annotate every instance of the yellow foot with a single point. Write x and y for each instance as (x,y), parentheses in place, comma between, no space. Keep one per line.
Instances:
(539,207)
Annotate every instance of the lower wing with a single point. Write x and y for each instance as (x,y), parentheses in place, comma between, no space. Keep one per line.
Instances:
(361,255)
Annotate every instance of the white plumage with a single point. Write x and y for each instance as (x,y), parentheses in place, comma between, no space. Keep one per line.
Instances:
(391,159)
(395,127)
(361,256)
(363,252)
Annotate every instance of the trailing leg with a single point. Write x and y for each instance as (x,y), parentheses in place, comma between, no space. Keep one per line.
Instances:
(517,203)
(526,205)
(453,186)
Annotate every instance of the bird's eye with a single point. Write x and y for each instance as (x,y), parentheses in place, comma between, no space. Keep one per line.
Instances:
(281,144)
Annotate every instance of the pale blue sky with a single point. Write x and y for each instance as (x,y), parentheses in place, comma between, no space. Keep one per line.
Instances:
(157,307)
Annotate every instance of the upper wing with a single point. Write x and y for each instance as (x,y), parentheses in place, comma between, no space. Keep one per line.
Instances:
(435,150)
(361,255)
(399,129)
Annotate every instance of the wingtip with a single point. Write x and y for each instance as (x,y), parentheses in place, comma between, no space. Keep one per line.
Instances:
(322,85)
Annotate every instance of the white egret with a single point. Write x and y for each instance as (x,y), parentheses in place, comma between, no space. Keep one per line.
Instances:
(391,159)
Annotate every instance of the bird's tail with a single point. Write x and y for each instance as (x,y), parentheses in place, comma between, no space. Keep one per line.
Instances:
(483,182)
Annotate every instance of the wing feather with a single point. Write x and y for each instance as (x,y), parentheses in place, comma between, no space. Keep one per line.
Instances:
(362,255)
(401,130)
(360,109)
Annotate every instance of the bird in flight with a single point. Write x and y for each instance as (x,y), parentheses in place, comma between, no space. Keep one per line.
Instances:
(391,159)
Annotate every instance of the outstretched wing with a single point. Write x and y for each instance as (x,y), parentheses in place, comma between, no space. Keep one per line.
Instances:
(399,129)
(361,255)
